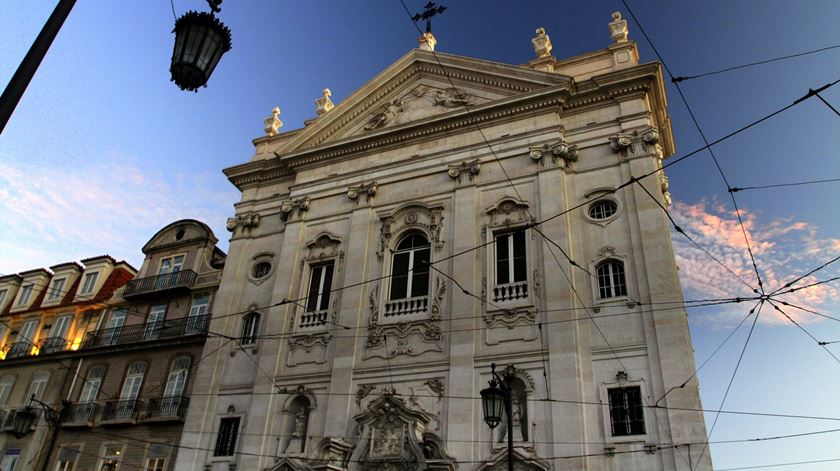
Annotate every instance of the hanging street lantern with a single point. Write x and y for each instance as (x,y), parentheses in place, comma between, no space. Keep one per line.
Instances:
(493,400)
(24,418)
(200,41)
(496,398)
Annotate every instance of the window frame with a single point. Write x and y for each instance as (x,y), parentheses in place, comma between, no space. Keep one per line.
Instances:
(5,393)
(84,289)
(229,444)
(89,381)
(611,286)
(249,335)
(411,267)
(25,295)
(621,380)
(3,293)
(322,284)
(42,378)
(491,267)
(130,375)
(55,291)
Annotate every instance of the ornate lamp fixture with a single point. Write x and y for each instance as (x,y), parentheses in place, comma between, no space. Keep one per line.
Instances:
(24,418)
(200,41)
(493,399)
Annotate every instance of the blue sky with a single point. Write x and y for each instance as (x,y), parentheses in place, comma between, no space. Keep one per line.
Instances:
(103,151)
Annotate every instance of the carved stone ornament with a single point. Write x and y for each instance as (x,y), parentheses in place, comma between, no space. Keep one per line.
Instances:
(542,43)
(618,28)
(363,392)
(427,41)
(639,143)
(294,207)
(561,152)
(509,211)
(324,104)
(419,103)
(665,185)
(333,453)
(436,385)
(273,123)
(523,460)
(368,190)
(465,170)
(246,222)
(394,437)
(324,245)
(427,218)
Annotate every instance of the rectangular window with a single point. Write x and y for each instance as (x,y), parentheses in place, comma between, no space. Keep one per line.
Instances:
(154,322)
(111,458)
(626,412)
(25,294)
(67,458)
(226,441)
(2,296)
(61,326)
(171,264)
(10,459)
(199,306)
(56,290)
(36,389)
(155,464)
(90,282)
(27,331)
(511,266)
(320,284)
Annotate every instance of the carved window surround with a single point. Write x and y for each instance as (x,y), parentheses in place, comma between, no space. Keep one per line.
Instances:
(609,253)
(622,380)
(508,215)
(598,194)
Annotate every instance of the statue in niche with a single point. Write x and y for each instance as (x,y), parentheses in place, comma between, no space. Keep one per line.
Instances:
(519,406)
(296,425)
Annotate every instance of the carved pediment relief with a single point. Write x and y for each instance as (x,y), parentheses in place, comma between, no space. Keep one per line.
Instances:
(416,87)
(324,245)
(509,211)
(394,437)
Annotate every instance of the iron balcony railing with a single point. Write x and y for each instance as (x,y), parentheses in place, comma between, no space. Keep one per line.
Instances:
(150,331)
(80,414)
(166,281)
(171,407)
(119,411)
(19,349)
(54,345)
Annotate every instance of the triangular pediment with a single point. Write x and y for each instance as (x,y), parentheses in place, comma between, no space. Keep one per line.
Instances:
(418,88)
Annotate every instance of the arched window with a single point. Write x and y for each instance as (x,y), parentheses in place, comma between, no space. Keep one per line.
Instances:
(133,380)
(6,384)
(177,379)
(410,269)
(297,424)
(611,280)
(93,381)
(250,328)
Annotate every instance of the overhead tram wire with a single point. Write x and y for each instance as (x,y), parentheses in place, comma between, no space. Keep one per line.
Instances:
(759,305)
(779,185)
(801,277)
(779,465)
(683,78)
(705,141)
(797,324)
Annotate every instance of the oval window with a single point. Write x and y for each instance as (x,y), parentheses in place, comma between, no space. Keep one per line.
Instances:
(602,209)
(261,270)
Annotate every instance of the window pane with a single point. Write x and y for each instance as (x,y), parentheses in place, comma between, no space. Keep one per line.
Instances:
(314,284)
(325,294)
(420,279)
(399,277)
(520,266)
(502,259)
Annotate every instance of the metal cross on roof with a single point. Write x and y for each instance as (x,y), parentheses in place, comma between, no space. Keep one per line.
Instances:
(430,10)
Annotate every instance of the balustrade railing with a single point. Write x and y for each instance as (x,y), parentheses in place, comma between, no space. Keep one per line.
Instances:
(309,320)
(406,306)
(141,332)
(82,413)
(510,292)
(54,345)
(167,407)
(121,410)
(178,279)
(19,349)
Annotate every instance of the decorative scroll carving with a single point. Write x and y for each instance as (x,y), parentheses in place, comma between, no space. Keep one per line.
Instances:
(411,338)
(561,152)
(306,349)
(464,170)
(273,123)
(542,43)
(324,245)
(363,392)
(368,190)
(294,208)
(509,211)
(417,215)
(510,326)
(246,221)
(394,437)
(436,385)
(637,144)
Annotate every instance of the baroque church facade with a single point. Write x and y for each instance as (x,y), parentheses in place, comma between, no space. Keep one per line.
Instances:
(452,214)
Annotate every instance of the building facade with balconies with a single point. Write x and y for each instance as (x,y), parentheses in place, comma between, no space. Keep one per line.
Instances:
(45,315)
(131,379)
(451,214)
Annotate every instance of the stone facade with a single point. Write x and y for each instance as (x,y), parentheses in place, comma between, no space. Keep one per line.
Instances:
(353,354)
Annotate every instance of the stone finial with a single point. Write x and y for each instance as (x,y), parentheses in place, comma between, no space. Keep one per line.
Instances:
(542,44)
(618,28)
(324,104)
(427,42)
(273,123)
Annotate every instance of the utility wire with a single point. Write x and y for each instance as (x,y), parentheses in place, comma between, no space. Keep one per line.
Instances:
(767,61)
(778,185)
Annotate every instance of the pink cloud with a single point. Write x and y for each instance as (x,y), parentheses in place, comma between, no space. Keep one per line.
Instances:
(783,248)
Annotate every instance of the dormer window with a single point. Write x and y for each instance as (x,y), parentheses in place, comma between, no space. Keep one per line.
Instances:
(25,294)
(90,282)
(2,296)
(56,290)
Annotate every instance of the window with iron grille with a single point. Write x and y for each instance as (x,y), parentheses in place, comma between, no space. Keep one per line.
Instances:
(626,413)
(611,280)
(226,441)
